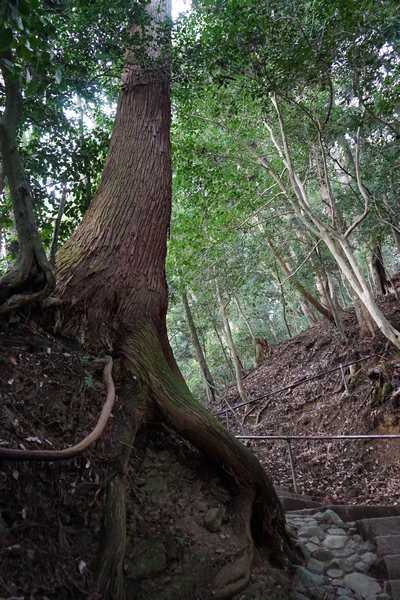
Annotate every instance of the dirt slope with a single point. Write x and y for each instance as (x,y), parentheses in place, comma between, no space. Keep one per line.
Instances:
(332,471)
(51,394)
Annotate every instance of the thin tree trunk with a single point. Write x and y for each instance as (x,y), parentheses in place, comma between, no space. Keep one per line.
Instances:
(54,243)
(308,313)
(31,278)
(379,272)
(260,344)
(245,319)
(227,360)
(335,240)
(323,310)
(396,237)
(283,304)
(236,363)
(333,306)
(210,385)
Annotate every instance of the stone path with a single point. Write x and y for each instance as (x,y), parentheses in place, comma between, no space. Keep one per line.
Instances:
(340,564)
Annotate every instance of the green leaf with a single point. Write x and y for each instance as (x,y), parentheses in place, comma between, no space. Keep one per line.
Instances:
(10,66)
(58,76)
(6,39)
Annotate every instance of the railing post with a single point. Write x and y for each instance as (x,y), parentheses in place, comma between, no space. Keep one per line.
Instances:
(344,380)
(292,465)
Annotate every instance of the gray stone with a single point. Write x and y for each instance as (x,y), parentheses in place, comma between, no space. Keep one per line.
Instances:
(324,555)
(335,564)
(315,539)
(370,558)
(332,517)
(335,542)
(345,593)
(336,531)
(310,532)
(302,548)
(319,516)
(290,530)
(367,547)
(351,548)
(392,563)
(213,520)
(345,598)
(361,566)
(334,573)
(337,582)
(305,577)
(362,584)
(388,544)
(316,566)
(379,597)
(312,547)
(322,593)
(299,596)
(357,538)
(347,564)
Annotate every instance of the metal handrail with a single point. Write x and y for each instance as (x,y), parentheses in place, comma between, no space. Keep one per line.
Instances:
(288,439)
(300,382)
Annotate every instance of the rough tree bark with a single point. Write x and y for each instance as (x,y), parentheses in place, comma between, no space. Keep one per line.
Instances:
(31,278)
(378,271)
(114,297)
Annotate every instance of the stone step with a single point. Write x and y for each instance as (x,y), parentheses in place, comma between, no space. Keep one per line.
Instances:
(281,488)
(393,588)
(347,512)
(392,562)
(371,528)
(290,503)
(296,496)
(387,544)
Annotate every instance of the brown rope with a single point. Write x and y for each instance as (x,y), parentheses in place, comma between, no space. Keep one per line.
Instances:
(52,455)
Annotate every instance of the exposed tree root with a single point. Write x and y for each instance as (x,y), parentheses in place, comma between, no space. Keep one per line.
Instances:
(234,577)
(53,455)
(29,280)
(258,505)
(110,575)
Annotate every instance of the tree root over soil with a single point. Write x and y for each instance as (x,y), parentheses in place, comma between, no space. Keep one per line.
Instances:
(54,455)
(257,506)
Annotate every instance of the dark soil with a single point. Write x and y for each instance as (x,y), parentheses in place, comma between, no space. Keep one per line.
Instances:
(51,394)
(346,472)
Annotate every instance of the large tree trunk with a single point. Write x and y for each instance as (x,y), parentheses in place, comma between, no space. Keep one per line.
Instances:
(114,296)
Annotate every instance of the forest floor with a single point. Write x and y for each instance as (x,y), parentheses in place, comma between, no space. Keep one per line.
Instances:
(51,393)
(332,471)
